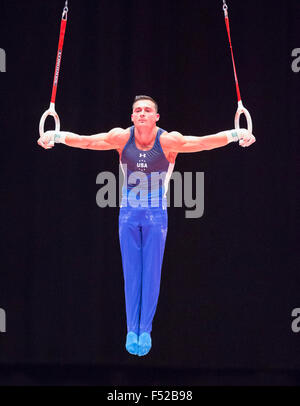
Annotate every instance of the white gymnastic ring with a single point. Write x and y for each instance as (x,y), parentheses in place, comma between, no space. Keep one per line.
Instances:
(242,110)
(50,112)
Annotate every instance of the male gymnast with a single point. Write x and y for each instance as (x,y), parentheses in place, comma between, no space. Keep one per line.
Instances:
(144,150)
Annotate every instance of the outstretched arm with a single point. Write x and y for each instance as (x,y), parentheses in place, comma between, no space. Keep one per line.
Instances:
(176,142)
(114,139)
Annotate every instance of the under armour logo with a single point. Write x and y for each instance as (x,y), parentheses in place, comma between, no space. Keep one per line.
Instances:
(142,155)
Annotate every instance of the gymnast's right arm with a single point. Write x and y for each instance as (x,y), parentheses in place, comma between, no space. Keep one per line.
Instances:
(114,139)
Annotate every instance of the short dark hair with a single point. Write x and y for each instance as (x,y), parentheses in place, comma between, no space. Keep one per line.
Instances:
(143,97)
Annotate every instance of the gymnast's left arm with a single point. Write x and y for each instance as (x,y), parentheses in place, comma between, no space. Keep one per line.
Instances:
(176,142)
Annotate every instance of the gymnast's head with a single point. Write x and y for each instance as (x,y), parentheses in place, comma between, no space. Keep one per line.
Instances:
(144,110)
(144,97)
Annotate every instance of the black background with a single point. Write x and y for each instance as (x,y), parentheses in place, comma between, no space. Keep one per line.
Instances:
(230,279)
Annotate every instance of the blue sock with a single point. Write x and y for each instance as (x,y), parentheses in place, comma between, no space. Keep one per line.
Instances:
(145,344)
(132,343)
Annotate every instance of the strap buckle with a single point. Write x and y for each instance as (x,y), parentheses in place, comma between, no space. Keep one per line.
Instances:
(65,11)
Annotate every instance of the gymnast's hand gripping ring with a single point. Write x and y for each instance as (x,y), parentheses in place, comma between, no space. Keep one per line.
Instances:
(242,110)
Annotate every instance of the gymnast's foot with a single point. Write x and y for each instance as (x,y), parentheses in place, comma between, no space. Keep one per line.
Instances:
(132,343)
(145,344)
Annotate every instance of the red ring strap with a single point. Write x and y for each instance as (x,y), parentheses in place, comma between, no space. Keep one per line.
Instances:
(58,58)
(233,63)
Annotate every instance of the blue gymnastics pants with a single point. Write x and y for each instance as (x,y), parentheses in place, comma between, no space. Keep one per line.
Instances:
(142,233)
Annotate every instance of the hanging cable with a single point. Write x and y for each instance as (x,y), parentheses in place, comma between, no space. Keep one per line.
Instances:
(51,111)
(241,109)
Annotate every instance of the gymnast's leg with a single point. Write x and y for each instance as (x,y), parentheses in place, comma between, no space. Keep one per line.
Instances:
(154,233)
(131,250)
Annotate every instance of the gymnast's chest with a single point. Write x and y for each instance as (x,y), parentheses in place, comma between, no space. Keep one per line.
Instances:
(143,161)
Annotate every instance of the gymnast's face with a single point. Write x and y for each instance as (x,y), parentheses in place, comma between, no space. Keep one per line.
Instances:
(144,114)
